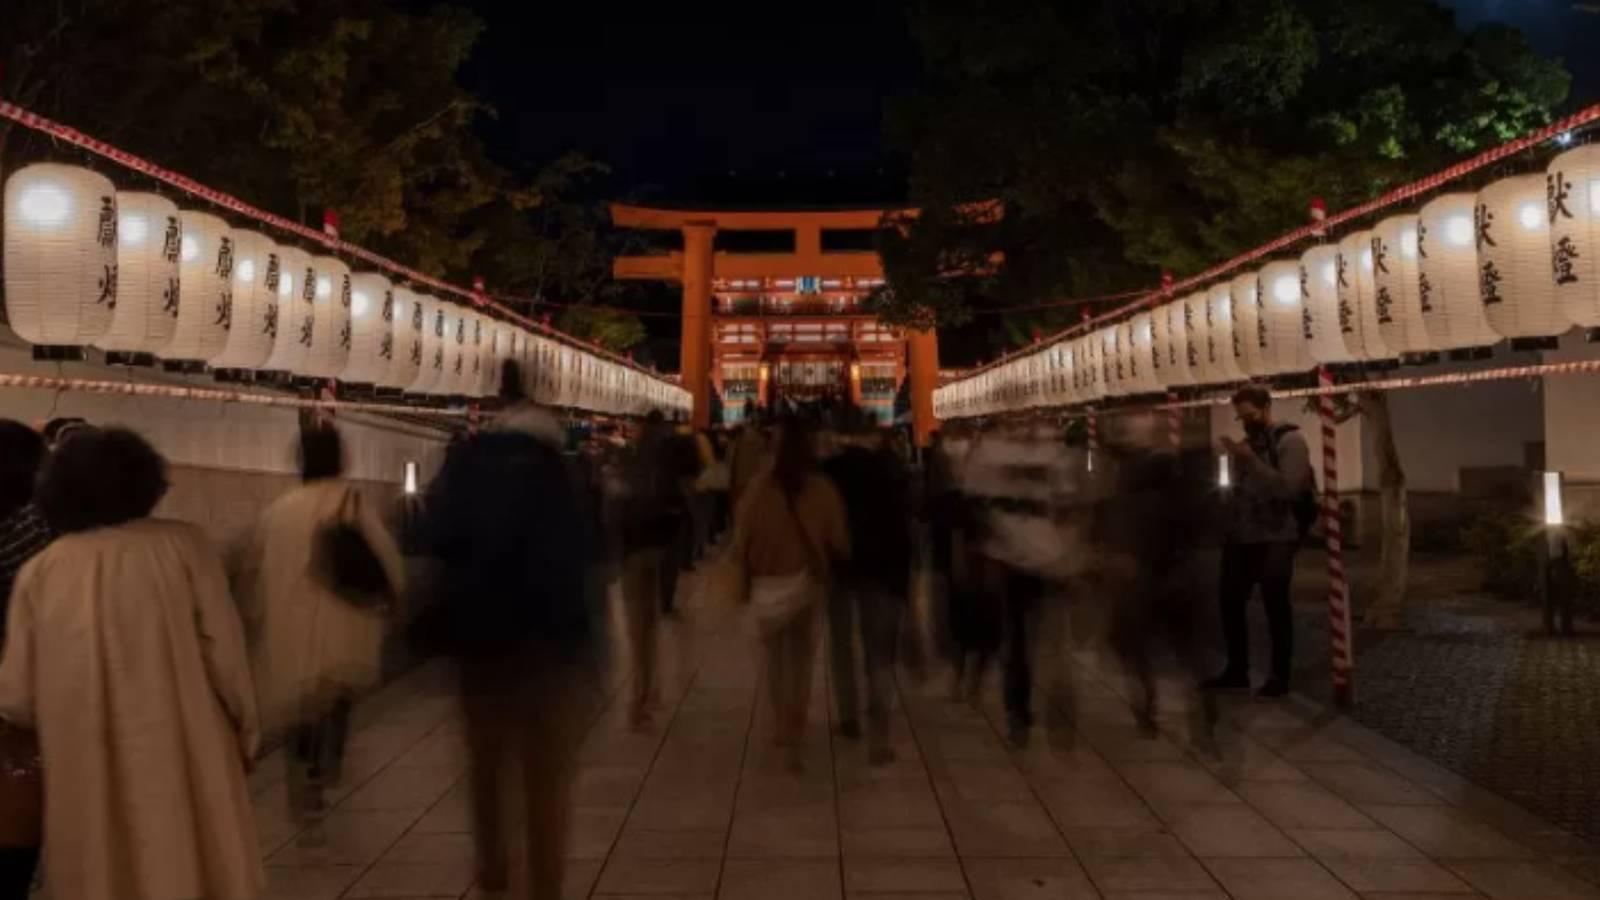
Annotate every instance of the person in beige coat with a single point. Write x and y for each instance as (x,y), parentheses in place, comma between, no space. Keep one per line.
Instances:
(125,653)
(312,650)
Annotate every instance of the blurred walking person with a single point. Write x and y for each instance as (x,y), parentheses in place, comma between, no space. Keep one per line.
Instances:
(749,456)
(654,513)
(1019,480)
(23,534)
(125,652)
(502,520)
(1146,531)
(318,582)
(869,595)
(790,532)
(1269,510)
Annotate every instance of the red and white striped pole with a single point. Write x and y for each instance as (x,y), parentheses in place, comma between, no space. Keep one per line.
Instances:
(1094,441)
(1342,636)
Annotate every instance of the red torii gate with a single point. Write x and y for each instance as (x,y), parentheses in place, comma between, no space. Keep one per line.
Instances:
(801,293)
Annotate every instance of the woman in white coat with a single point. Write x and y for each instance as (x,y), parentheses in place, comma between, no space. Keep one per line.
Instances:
(313,650)
(125,653)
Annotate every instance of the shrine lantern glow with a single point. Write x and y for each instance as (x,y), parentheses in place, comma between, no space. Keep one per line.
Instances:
(454,343)
(1448,275)
(1398,296)
(255,305)
(1219,333)
(1181,356)
(1319,273)
(1197,339)
(1358,290)
(372,329)
(431,368)
(295,282)
(1247,325)
(1091,364)
(149,235)
(1139,333)
(60,254)
(331,337)
(1572,190)
(1515,281)
(205,291)
(1282,328)
(1116,361)
(405,359)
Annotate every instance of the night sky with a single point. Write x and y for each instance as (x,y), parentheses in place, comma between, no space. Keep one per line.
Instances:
(691,104)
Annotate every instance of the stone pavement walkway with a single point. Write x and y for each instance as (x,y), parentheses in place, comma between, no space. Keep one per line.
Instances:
(1296,808)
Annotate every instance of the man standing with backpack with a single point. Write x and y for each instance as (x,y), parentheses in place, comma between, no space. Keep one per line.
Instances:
(1269,509)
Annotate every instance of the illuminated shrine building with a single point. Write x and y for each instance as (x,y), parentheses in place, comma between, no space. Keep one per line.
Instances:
(772,311)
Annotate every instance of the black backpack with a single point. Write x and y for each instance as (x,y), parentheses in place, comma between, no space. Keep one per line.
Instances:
(1305,506)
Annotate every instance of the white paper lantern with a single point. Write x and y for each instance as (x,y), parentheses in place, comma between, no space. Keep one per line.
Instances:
(435,334)
(255,306)
(1399,295)
(1183,356)
(1138,335)
(1515,280)
(1319,274)
(60,254)
(372,329)
(290,270)
(149,240)
(405,360)
(1220,350)
(1094,360)
(1448,275)
(1572,190)
(1282,306)
(1358,290)
(331,335)
(454,343)
(1249,333)
(205,290)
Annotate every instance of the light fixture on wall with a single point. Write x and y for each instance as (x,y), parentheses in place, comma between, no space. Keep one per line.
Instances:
(409,479)
(1224,471)
(1554,515)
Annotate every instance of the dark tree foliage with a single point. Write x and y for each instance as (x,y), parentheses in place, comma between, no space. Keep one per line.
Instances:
(300,105)
(1125,137)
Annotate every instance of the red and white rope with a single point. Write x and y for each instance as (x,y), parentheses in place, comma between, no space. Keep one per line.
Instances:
(1341,636)
(68,135)
(1585,116)
(1506,373)
(322,403)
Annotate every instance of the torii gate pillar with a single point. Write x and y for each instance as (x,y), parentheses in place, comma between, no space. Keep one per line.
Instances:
(923,351)
(695,349)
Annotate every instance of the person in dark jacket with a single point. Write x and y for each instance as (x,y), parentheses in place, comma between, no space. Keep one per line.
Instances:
(504,521)
(871,585)
(654,509)
(1272,481)
(23,533)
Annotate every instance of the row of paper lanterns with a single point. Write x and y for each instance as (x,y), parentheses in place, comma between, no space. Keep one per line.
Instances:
(134,275)
(1518,260)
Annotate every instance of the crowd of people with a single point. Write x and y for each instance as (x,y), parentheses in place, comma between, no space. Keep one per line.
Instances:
(142,667)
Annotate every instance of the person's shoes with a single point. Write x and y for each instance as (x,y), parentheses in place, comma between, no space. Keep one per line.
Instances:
(850,730)
(1273,689)
(1227,681)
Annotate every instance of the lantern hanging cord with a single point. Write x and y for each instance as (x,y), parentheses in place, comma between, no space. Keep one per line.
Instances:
(76,138)
(1452,379)
(1584,117)
(217,395)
